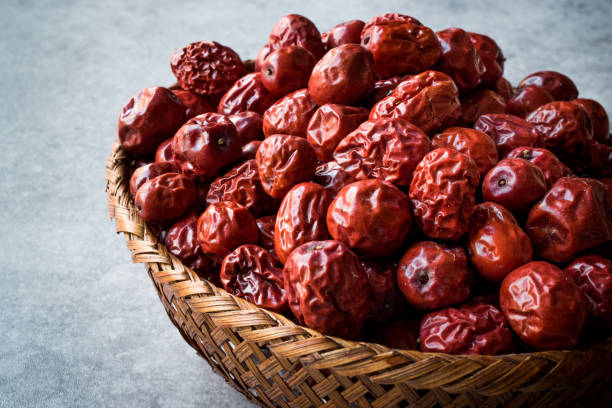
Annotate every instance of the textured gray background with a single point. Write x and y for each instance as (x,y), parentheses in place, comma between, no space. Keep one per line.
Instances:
(80,325)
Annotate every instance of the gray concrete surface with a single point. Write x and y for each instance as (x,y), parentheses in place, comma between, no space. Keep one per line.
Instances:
(80,325)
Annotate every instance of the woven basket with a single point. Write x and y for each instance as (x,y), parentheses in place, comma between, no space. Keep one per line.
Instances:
(275,362)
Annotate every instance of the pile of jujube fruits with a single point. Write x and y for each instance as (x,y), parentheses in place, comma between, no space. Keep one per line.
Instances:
(383,182)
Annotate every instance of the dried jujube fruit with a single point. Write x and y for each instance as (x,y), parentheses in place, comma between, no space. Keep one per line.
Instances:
(266,232)
(348,32)
(558,85)
(432,275)
(387,300)
(527,99)
(294,29)
(371,216)
(443,193)
(182,241)
(333,177)
(149,117)
(242,185)
(205,144)
(283,161)
(286,70)
(470,329)
(399,334)
(491,56)
(195,104)
(206,68)
(476,144)
(544,308)
(496,243)
(246,94)
(148,172)
(289,115)
(515,184)
(327,289)
(249,126)
(249,150)
(164,152)
(343,76)
(575,215)
(459,59)
(593,275)
(165,197)
(224,226)
(330,124)
(301,218)
(504,88)
(478,103)
(566,128)
(429,100)
(509,132)
(400,47)
(599,119)
(386,149)
(384,18)
(256,275)
(552,168)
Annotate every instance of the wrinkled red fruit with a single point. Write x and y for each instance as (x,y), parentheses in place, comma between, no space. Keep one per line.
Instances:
(301,218)
(165,197)
(283,161)
(400,47)
(371,216)
(543,307)
(474,143)
(343,76)
(266,232)
(256,275)
(593,275)
(429,100)
(443,193)
(348,32)
(286,70)
(386,149)
(290,115)
(509,132)
(387,300)
(459,59)
(205,144)
(246,94)
(249,150)
(515,184)
(551,166)
(182,242)
(195,104)
(478,103)
(527,99)
(164,152)
(224,226)
(491,56)
(206,68)
(327,289)
(475,329)
(242,185)
(148,172)
(432,276)
(297,30)
(333,177)
(249,126)
(151,116)
(558,85)
(330,124)
(599,119)
(504,88)
(575,215)
(399,334)
(566,128)
(496,244)
(384,18)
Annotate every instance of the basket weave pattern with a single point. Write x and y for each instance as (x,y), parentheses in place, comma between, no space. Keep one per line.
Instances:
(275,362)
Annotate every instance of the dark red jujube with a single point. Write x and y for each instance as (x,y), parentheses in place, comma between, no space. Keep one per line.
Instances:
(509,132)
(165,197)
(286,70)
(289,115)
(371,216)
